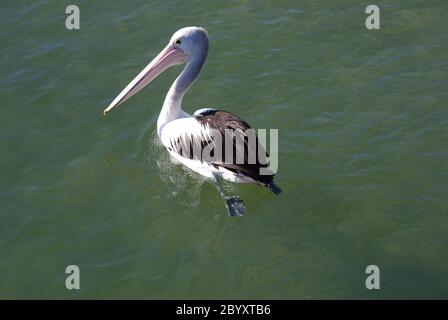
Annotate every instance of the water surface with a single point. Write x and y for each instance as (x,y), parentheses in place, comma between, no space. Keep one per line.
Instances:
(362,121)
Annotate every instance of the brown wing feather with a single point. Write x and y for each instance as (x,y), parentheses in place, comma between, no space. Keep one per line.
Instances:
(222,120)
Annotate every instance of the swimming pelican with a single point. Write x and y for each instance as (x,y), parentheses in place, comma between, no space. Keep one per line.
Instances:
(177,129)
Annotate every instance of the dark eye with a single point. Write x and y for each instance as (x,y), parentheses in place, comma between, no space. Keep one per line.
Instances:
(178,42)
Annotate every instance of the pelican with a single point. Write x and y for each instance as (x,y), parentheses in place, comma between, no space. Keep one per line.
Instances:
(177,129)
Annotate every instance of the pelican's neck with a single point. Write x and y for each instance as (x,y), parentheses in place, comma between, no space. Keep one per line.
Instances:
(172,106)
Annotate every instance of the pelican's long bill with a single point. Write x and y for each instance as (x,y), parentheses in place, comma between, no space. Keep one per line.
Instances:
(169,56)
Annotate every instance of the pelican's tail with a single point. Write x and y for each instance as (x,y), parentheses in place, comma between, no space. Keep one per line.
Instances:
(274,188)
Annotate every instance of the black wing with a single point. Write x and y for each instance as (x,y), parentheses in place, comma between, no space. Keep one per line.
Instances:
(247,157)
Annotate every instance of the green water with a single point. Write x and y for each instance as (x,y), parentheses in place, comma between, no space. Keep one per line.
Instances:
(363,147)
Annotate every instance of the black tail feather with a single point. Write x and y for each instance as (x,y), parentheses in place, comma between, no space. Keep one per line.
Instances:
(274,188)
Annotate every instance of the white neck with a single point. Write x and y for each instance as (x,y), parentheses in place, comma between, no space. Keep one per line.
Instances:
(172,106)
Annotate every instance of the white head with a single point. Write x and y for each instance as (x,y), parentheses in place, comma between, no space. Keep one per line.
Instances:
(191,40)
(187,44)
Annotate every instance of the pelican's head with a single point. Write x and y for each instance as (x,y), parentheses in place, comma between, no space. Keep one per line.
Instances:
(185,45)
(191,40)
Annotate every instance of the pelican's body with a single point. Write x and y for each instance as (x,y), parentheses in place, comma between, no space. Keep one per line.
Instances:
(169,132)
(178,130)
